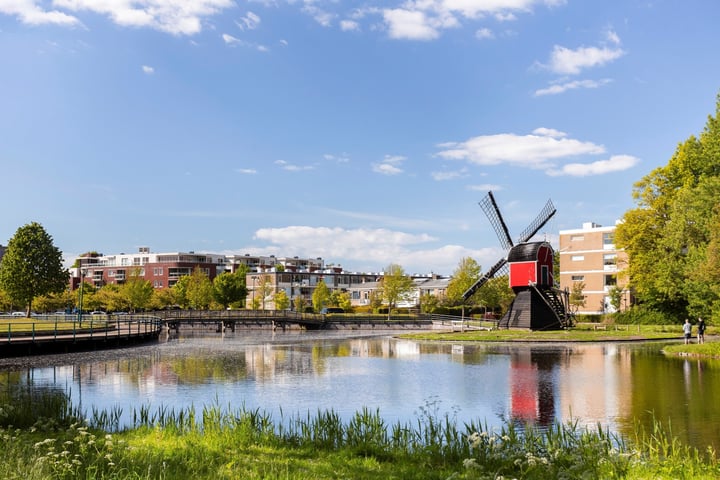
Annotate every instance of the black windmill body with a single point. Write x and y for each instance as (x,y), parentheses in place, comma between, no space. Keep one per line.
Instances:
(538,304)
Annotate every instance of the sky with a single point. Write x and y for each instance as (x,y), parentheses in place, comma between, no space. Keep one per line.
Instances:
(362,132)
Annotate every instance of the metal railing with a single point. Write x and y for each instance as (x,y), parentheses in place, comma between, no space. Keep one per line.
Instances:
(51,328)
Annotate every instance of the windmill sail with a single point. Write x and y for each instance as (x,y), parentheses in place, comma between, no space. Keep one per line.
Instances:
(545,214)
(502,263)
(492,211)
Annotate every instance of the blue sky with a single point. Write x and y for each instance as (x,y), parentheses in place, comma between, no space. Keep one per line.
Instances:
(361,132)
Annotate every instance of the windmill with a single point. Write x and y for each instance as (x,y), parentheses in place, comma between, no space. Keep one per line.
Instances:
(538,304)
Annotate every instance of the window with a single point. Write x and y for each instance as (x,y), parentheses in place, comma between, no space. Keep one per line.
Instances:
(577,238)
(610,280)
(578,278)
(610,259)
(577,258)
(608,239)
(157,271)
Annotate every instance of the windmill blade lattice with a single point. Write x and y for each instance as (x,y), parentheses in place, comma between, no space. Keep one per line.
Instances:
(492,211)
(545,214)
(500,267)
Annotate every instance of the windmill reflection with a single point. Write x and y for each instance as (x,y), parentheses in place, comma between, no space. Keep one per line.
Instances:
(532,386)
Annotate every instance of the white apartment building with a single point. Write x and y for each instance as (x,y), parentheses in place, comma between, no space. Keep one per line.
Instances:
(588,255)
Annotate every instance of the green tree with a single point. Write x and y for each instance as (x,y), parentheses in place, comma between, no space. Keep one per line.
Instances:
(320,296)
(163,298)
(429,303)
(496,294)
(395,286)
(464,277)
(577,297)
(32,266)
(282,301)
(111,298)
(137,291)
(668,234)
(229,288)
(299,302)
(265,289)
(180,289)
(199,291)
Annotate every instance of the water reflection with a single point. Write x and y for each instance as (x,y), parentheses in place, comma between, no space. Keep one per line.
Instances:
(614,385)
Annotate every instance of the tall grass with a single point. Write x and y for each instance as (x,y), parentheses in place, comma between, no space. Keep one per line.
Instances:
(217,443)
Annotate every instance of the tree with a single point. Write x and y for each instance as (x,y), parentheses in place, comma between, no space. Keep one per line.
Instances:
(199,290)
(465,276)
(496,294)
(320,296)
(577,297)
(137,291)
(299,303)
(229,288)
(32,266)
(667,236)
(265,289)
(395,286)
(282,301)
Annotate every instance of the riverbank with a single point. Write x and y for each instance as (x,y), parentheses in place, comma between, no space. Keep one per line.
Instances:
(248,444)
(580,333)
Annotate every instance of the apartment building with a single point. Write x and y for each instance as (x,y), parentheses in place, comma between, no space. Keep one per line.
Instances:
(163,270)
(588,255)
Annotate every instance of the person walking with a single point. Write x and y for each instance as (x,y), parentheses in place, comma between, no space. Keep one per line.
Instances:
(701,330)
(687,330)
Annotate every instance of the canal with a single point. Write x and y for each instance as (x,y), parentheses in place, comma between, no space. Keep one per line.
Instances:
(296,373)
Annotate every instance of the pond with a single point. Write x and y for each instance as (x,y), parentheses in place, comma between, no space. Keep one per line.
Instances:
(296,373)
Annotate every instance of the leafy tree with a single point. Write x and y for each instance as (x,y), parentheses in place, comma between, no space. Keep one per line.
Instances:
(180,289)
(137,291)
(199,290)
(577,297)
(282,301)
(5,302)
(111,298)
(429,303)
(395,286)
(163,298)
(86,297)
(299,302)
(32,266)
(668,235)
(464,277)
(229,288)
(496,294)
(376,300)
(320,296)
(265,289)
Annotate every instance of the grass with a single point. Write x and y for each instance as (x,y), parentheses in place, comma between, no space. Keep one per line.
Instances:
(217,443)
(26,326)
(711,349)
(580,333)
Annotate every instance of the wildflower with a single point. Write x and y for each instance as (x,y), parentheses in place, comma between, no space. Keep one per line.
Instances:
(470,463)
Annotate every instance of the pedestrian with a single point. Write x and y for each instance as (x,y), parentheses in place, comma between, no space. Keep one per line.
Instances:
(687,330)
(701,330)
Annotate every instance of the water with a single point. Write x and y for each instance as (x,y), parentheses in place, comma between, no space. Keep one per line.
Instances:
(293,373)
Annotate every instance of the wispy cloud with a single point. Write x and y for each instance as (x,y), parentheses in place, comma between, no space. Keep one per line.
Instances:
(562,87)
(616,163)
(246,171)
(249,22)
(390,165)
(293,168)
(28,12)
(148,70)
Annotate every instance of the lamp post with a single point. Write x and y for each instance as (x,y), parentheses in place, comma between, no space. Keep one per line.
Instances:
(253,292)
(80,300)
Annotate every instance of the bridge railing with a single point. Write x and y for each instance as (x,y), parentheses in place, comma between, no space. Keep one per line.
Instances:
(63,327)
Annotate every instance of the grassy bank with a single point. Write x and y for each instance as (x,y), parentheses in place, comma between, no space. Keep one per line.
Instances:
(217,444)
(580,333)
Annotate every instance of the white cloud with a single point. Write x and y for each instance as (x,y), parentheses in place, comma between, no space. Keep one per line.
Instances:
(484,34)
(148,70)
(321,16)
(559,88)
(539,150)
(571,62)
(369,249)
(249,22)
(616,163)
(411,25)
(349,26)
(449,175)
(246,171)
(293,168)
(178,17)
(28,12)
(390,165)
(230,40)
(485,187)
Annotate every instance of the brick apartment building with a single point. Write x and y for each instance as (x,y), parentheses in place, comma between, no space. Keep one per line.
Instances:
(588,255)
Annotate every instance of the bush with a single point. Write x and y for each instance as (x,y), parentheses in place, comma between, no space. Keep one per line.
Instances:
(641,316)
